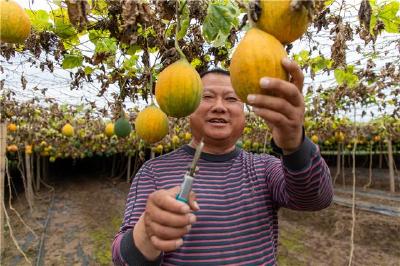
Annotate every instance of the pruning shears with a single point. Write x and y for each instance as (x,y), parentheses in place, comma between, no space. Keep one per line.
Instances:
(188,178)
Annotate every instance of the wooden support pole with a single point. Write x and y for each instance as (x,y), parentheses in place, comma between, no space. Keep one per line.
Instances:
(390,164)
(29,182)
(128,172)
(37,156)
(3,147)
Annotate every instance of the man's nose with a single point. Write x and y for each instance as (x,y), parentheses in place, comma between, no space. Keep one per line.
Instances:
(219,106)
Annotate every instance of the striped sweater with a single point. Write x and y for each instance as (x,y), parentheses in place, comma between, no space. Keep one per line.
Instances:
(239,194)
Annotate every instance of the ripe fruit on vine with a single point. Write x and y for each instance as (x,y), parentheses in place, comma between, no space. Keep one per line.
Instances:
(258,55)
(188,136)
(159,148)
(179,89)
(175,140)
(339,136)
(109,130)
(28,149)
(377,138)
(287,20)
(151,124)
(67,130)
(12,148)
(12,127)
(314,138)
(15,24)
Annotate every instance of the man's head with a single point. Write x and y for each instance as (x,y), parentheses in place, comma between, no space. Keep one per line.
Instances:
(220,115)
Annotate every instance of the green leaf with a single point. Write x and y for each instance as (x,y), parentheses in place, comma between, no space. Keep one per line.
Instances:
(184,20)
(346,76)
(302,58)
(71,61)
(221,17)
(106,46)
(62,27)
(339,76)
(196,62)
(390,18)
(387,13)
(328,3)
(130,49)
(99,7)
(183,29)
(40,19)
(318,63)
(149,31)
(130,63)
(169,30)
(153,50)
(102,41)
(88,70)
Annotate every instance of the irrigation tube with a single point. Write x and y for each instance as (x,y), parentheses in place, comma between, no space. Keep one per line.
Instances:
(377,208)
(373,194)
(41,244)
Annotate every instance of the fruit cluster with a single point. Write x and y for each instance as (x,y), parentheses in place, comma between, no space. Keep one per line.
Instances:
(260,52)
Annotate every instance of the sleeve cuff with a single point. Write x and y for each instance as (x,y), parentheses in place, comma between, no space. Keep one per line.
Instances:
(299,159)
(132,255)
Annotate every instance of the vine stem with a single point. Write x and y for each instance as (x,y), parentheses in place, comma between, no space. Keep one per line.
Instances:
(12,234)
(10,198)
(178,28)
(353,205)
(151,87)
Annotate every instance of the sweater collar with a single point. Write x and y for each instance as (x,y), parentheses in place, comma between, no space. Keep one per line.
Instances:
(213,157)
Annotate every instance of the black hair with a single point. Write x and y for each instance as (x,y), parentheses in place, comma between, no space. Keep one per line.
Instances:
(215,70)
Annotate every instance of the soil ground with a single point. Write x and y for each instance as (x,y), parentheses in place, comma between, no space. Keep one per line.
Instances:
(87,210)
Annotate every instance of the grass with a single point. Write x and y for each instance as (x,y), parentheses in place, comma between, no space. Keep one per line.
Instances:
(290,245)
(102,239)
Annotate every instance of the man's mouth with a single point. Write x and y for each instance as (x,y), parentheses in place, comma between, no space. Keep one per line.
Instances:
(217,121)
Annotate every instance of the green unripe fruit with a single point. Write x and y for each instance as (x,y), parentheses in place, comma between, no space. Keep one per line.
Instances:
(122,127)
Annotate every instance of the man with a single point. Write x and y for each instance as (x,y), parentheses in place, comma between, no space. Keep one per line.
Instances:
(231,219)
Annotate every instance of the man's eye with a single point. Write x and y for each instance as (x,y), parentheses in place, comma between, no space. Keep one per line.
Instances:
(207,96)
(232,99)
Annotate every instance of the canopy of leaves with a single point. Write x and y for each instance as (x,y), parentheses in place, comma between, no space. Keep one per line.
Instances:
(116,47)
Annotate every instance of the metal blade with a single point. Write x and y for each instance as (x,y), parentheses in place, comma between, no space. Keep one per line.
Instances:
(196,157)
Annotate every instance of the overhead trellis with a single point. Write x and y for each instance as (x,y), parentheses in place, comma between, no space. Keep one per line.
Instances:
(108,45)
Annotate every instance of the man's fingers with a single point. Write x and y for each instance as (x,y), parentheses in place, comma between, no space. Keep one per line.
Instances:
(274,118)
(295,72)
(166,200)
(166,245)
(283,89)
(276,104)
(192,202)
(169,219)
(167,232)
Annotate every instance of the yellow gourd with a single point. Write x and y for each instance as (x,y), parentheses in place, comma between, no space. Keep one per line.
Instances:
(287,20)
(179,89)
(151,124)
(258,55)
(15,24)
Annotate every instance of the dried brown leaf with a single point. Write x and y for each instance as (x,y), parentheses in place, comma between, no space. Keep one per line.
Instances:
(364,14)
(77,13)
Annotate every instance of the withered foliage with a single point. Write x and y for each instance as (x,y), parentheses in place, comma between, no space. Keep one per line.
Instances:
(338,50)
(77,13)
(150,26)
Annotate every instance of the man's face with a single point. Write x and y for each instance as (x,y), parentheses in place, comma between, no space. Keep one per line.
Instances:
(220,115)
